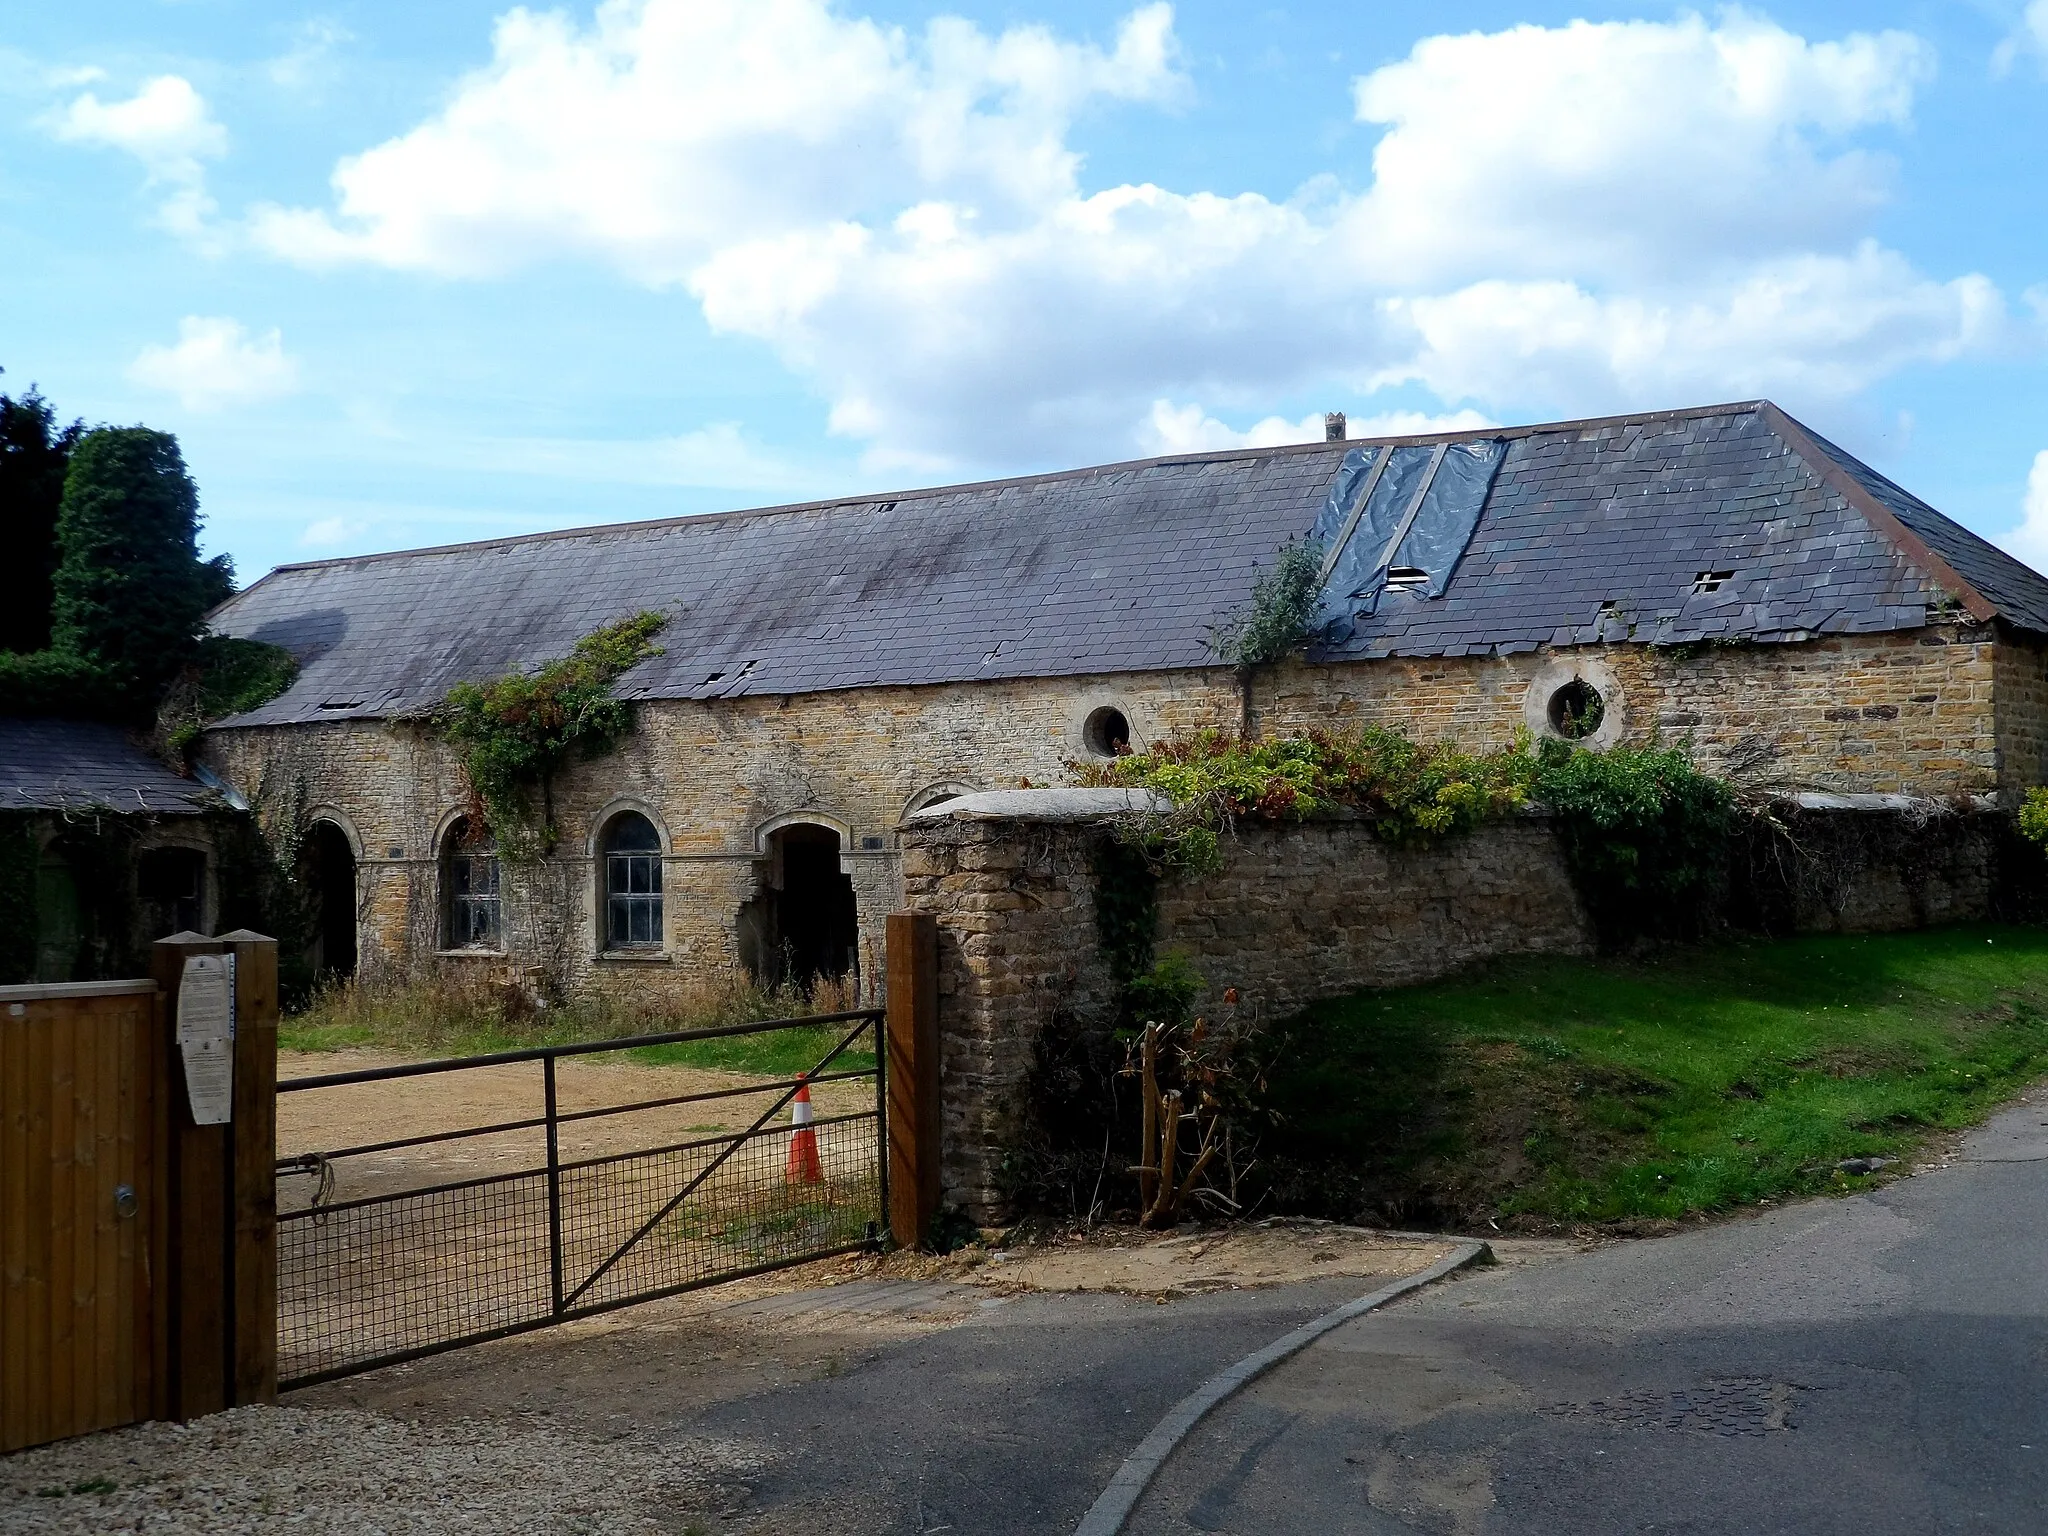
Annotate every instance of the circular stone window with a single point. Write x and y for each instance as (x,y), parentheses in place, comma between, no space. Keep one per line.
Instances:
(1106,733)
(1576,710)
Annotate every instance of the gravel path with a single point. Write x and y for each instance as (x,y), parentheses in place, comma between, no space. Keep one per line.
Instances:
(320,1470)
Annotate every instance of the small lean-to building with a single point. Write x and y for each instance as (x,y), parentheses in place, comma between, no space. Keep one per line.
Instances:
(1718,576)
(103,850)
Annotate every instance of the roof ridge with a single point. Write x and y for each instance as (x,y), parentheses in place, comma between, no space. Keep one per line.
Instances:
(1043,477)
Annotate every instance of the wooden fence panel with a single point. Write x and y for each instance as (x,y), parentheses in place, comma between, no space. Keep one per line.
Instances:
(74,1133)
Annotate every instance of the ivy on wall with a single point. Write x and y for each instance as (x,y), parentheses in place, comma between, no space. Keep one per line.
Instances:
(513,735)
(2034,817)
(1647,836)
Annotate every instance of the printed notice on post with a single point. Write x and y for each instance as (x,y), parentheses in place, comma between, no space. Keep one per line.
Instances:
(206,1036)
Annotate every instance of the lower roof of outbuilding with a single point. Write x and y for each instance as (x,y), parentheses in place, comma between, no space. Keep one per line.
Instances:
(1590,531)
(79,767)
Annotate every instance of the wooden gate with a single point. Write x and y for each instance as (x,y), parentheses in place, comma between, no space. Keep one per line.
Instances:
(137,1248)
(81,1187)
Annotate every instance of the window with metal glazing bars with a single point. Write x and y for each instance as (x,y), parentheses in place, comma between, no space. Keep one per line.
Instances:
(632,883)
(471,873)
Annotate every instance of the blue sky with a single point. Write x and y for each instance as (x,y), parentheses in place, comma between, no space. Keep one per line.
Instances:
(411,274)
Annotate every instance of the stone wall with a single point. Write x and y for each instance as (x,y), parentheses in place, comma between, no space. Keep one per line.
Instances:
(715,777)
(1894,713)
(1912,712)
(1310,910)
(2020,692)
(1298,912)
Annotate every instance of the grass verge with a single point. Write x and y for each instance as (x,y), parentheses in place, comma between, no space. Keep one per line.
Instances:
(461,1015)
(1547,1092)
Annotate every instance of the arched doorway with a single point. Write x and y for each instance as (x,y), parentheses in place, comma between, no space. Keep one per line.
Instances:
(803,924)
(329,865)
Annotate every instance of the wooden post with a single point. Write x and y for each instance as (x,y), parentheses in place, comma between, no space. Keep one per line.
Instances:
(220,1249)
(254,1197)
(196,1377)
(913,1017)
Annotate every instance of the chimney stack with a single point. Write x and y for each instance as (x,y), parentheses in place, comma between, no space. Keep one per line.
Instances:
(1333,426)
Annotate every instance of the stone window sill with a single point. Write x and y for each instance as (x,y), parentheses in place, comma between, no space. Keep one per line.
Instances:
(632,957)
(472,954)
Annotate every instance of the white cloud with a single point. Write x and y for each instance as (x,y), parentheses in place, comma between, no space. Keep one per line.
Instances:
(332,533)
(1189,429)
(2029,35)
(309,62)
(1623,149)
(2029,540)
(670,129)
(165,125)
(216,363)
(1572,219)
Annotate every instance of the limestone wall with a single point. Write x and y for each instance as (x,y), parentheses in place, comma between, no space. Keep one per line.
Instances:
(1312,910)
(1299,912)
(1935,712)
(2020,682)
(1895,713)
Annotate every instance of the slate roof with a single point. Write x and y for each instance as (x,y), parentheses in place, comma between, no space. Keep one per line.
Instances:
(1592,531)
(77,765)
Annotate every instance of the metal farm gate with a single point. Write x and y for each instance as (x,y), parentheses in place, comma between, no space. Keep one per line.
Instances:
(392,1247)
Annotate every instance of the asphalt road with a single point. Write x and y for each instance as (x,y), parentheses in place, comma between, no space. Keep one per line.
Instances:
(1871,1364)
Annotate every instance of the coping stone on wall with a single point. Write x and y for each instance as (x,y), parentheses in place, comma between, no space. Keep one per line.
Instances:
(1910,805)
(1044,805)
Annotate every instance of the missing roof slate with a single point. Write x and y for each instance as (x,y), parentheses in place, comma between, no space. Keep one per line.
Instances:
(1411,507)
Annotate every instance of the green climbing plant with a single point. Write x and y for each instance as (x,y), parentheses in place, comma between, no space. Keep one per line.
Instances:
(1648,836)
(2034,816)
(513,735)
(1280,618)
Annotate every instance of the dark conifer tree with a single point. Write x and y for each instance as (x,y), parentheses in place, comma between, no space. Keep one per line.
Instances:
(130,589)
(34,455)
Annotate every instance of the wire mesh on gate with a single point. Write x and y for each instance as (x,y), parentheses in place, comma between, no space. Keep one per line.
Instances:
(390,1276)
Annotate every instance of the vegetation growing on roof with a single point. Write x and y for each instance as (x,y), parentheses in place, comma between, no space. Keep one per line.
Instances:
(227,676)
(513,735)
(1281,617)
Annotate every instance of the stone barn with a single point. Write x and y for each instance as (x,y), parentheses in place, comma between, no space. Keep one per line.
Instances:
(1717,576)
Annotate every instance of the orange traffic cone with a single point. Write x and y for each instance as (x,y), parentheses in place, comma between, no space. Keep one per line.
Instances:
(804,1166)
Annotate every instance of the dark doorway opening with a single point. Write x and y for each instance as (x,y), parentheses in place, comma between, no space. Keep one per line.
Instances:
(172,885)
(329,865)
(804,924)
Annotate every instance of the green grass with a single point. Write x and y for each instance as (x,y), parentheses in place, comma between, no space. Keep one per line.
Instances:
(1570,1091)
(774,1053)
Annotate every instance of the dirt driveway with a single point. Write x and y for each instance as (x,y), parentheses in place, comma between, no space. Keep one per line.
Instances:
(328,1119)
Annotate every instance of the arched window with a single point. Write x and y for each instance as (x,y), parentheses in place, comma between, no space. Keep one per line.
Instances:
(632,882)
(469,885)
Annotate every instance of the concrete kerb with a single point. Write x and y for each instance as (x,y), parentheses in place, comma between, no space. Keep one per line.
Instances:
(1106,1516)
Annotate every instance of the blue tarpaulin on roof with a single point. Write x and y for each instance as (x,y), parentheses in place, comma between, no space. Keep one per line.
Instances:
(1421,503)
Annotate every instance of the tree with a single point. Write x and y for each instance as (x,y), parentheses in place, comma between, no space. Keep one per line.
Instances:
(34,455)
(130,592)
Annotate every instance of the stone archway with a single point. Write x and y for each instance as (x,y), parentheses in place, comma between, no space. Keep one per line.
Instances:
(804,923)
(328,872)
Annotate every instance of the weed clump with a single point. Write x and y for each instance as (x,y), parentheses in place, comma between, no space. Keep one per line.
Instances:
(1281,617)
